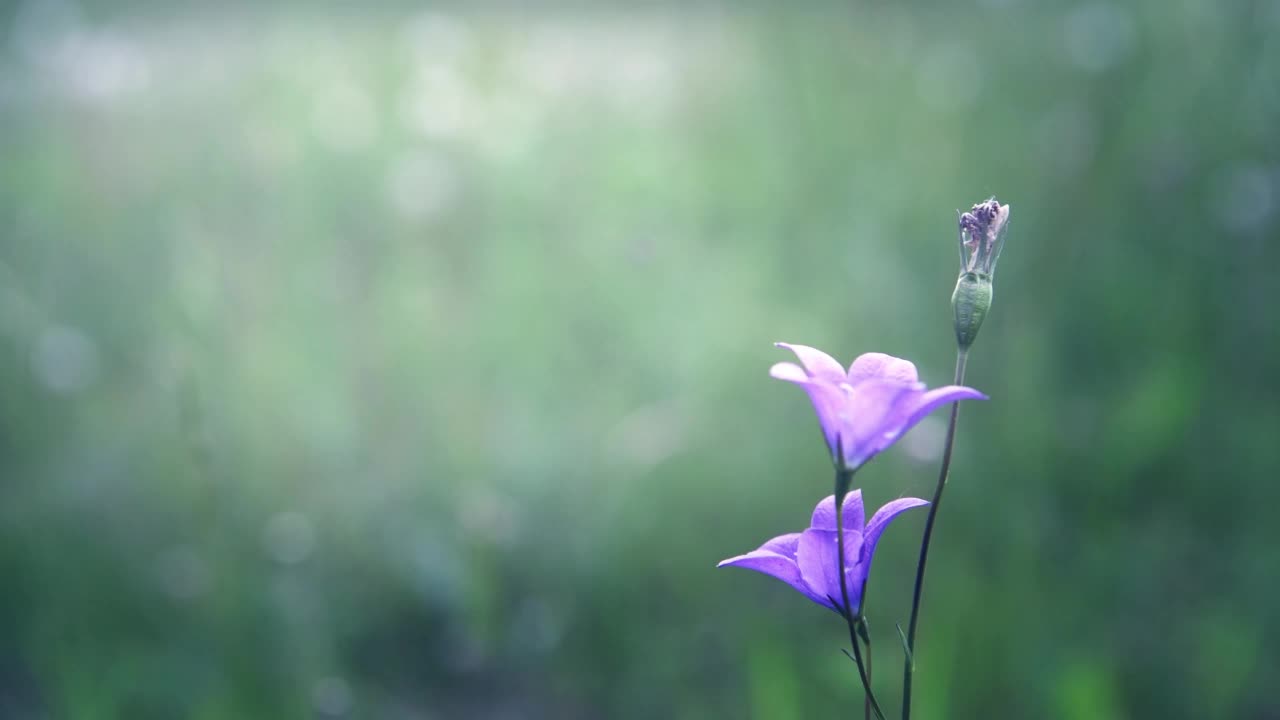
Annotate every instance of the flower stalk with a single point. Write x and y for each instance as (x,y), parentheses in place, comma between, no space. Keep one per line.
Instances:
(981,240)
(844,479)
(909,664)
(865,632)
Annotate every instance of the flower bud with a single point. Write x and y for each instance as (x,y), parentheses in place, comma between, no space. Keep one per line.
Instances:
(981,239)
(971,300)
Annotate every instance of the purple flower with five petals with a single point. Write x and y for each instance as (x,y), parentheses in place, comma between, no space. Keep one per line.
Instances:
(865,410)
(807,560)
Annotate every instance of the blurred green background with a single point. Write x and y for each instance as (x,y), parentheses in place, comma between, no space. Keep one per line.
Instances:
(410,362)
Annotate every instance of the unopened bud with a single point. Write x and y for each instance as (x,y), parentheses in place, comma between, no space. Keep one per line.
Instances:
(971,301)
(981,239)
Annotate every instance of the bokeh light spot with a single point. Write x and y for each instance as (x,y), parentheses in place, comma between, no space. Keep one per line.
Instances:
(289,537)
(65,359)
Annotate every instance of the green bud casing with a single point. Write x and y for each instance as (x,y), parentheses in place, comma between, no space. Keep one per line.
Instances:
(971,301)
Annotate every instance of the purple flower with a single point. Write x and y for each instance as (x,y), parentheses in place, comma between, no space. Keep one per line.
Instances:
(867,409)
(807,560)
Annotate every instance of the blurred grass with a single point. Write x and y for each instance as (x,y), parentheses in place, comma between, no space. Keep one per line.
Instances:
(412,364)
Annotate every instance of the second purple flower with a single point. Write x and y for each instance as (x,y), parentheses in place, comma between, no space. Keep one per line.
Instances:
(866,409)
(807,560)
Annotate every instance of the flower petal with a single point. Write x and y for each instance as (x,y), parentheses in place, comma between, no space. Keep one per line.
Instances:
(776,558)
(876,526)
(915,408)
(870,419)
(772,565)
(824,515)
(827,399)
(882,367)
(884,413)
(817,364)
(790,372)
(784,545)
(948,394)
(816,558)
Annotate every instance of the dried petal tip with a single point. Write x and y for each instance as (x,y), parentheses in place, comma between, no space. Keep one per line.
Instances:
(981,239)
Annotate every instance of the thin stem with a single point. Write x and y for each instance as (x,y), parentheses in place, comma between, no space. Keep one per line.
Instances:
(962,357)
(866,705)
(862,670)
(866,635)
(843,479)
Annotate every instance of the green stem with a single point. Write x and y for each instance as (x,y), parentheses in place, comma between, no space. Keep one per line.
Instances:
(843,480)
(908,670)
(866,636)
